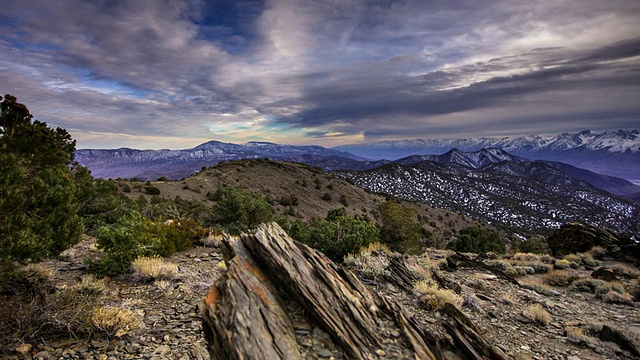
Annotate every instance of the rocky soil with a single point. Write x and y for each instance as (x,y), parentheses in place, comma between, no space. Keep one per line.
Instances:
(172,324)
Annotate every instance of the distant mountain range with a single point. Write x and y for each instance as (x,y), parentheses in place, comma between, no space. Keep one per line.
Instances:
(492,185)
(615,153)
(177,164)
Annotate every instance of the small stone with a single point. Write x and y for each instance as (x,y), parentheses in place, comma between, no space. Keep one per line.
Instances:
(325,353)
(525,347)
(162,349)
(43,355)
(24,349)
(380,352)
(573,357)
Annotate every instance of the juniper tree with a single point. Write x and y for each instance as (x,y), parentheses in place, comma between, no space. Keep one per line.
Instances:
(38,207)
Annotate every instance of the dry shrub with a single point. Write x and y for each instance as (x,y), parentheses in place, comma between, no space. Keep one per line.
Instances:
(576,334)
(154,268)
(371,264)
(537,286)
(222,265)
(573,258)
(547,259)
(526,257)
(563,264)
(538,314)
(619,298)
(587,259)
(435,297)
(376,246)
(115,321)
(508,299)
(212,240)
(626,270)
(598,252)
(559,278)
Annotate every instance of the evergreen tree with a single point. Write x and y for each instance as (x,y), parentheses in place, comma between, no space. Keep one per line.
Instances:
(38,207)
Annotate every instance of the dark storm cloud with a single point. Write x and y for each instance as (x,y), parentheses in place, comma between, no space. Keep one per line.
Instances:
(329,70)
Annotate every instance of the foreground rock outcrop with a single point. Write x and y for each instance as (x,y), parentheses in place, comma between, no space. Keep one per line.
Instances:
(246,313)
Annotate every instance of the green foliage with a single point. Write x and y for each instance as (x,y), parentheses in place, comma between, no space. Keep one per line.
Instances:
(238,210)
(478,240)
(326,197)
(290,200)
(173,236)
(337,235)
(151,190)
(38,206)
(533,245)
(400,229)
(343,200)
(121,242)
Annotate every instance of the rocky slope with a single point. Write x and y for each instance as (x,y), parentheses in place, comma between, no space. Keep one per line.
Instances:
(580,325)
(494,186)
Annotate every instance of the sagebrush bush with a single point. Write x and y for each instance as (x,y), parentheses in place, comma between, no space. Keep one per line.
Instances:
(526,257)
(563,264)
(538,314)
(576,334)
(586,285)
(559,278)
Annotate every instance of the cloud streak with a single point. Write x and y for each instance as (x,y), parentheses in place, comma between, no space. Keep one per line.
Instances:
(131,73)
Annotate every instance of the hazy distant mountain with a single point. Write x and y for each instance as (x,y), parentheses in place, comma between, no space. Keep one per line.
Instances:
(493,185)
(177,164)
(615,153)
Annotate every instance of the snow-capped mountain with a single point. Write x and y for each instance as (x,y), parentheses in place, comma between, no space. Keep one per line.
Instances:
(495,186)
(615,153)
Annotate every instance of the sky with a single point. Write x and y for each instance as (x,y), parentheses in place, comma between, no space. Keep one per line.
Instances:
(174,74)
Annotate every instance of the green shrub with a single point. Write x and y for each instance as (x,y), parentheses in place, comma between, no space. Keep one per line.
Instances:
(326,197)
(337,235)
(587,285)
(478,240)
(151,190)
(238,210)
(121,243)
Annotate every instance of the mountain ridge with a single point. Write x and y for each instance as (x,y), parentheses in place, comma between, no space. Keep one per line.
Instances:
(615,153)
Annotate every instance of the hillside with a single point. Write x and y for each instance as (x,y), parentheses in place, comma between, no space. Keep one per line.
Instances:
(495,186)
(276,179)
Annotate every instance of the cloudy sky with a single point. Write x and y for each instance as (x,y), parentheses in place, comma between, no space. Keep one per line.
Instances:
(173,74)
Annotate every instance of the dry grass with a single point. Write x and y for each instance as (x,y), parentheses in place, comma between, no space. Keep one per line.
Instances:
(222,265)
(212,240)
(563,264)
(115,321)
(573,258)
(154,268)
(618,298)
(538,286)
(436,297)
(508,299)
(538,314)
(371,264)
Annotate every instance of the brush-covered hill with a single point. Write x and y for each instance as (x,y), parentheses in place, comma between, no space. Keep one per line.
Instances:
(315,193)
